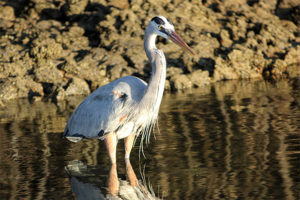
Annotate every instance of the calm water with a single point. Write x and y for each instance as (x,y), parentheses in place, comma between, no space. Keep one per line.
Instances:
(231,140)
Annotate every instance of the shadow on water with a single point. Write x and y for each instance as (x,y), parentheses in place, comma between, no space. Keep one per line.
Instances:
(230,140)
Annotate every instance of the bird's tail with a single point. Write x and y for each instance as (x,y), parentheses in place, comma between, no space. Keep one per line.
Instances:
(72,137)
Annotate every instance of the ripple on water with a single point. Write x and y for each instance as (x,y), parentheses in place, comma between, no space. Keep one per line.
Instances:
(237,139)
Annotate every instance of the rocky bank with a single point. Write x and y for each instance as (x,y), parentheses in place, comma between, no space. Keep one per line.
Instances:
(54,49)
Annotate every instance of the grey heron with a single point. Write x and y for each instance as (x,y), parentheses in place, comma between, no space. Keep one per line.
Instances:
(127,107)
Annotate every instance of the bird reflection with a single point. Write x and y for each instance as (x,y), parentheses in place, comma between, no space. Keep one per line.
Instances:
(89,182)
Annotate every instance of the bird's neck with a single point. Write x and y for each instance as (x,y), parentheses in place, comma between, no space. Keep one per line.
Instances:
(149,44)
(154,92)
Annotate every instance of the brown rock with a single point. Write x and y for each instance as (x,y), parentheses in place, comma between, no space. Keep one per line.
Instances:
(98,41)
(293,71)
(7,13)
(200,78)
(122,4)
(46,48)
(225,38)
(293,56)
(75,86)
(75,7)
(245,63)
(180,82)
(48,72)
(20,88)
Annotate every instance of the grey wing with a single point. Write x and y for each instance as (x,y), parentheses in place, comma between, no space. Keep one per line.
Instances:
(100,112)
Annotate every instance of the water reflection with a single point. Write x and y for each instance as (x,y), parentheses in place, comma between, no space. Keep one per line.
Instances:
(236,141)
(88,182)
(231,140)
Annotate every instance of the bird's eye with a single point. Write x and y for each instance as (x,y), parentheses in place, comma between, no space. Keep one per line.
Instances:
(160,27)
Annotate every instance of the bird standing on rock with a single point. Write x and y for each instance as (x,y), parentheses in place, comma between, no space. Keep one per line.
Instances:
(127,107)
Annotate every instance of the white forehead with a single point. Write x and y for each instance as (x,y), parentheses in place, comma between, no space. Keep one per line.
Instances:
(167,24)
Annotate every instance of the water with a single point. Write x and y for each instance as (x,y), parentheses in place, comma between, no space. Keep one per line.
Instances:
(231,140)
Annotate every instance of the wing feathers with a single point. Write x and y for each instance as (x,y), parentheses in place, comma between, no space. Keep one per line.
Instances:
(105,109)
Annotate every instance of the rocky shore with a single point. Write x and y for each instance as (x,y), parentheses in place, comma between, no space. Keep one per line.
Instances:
(54,49)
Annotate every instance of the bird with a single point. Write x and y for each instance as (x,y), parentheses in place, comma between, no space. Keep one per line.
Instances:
(127,107)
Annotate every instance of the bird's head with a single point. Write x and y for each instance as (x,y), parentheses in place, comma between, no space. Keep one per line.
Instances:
(163,27)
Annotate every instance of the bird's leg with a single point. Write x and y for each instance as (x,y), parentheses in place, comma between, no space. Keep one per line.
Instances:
(113,182)
(128,142)
(111,142)
(130,174)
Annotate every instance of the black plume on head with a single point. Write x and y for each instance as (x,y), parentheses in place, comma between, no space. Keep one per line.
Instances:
(158,20)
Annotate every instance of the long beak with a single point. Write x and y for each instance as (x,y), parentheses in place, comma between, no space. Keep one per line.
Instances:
(177,40)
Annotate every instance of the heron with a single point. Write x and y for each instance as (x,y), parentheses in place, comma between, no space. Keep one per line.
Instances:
(127,107)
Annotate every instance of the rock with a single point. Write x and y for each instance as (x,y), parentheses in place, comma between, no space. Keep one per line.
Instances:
(124,4)
(20,88)
(75,7)
(172,71)
(167,86)
(133,56)
(180,82)
(289,9)
(48,72)
(45,47)
(293,56)
(200,78)
(41,5)
(10,53)
(223,71)
(293,71)
(7,13)
(225,38)
(50,25)
(75,86)
(8,90)
(74,40)
(242,62)
(94,42)
(17,69)
(205,64)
